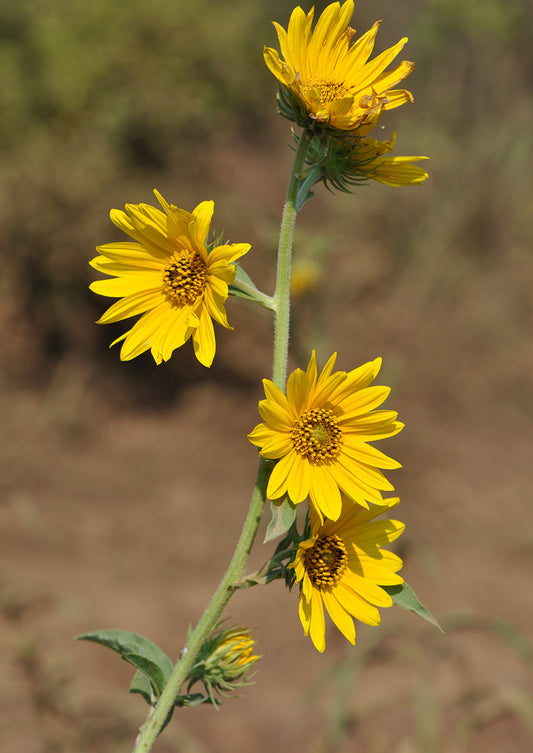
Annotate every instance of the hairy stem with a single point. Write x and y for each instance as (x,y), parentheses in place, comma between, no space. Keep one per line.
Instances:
(283,278)
(211,615)
(233,576)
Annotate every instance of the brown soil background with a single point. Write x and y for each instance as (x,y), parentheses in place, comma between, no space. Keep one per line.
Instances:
(123,486)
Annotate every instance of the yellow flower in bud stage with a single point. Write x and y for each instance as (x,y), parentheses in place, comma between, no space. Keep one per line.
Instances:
(169,277)
(341,566)
(223,663)
(332,78)
(370,159)
(235,652)
(319,433)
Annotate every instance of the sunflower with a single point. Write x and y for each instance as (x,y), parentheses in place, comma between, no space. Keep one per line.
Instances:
(370,159)
(319,432)
(354,160)
(224,662)
(331,78)
(169,277)
(342,566)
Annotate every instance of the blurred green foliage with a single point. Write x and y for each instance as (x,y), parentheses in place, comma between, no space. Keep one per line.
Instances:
(101,101)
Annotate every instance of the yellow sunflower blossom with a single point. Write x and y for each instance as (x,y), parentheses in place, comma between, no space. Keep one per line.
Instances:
(169,277)
(369,158)
(224,663)
(319,433)
(342,566)
(332,78)
(235,652)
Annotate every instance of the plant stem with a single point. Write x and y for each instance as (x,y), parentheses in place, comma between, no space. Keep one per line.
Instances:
(283,278)
(233,576)
(209,619)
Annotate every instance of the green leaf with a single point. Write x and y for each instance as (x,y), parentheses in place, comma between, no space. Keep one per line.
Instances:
(283,516)
(138,651)
(404,596)
(142,685)
(150,669)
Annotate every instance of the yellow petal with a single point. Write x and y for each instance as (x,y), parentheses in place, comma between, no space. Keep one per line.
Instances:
(132,253)
(367,589)
(339,615)
(277,484)
(362,452)
(299,481)
(132,305)
(297,390)
(139,337)
(356,605)
(116,287)
(317,627)
(203,340)
(202,216)
(215,308)
(304,611)
(177,334)
(324,492)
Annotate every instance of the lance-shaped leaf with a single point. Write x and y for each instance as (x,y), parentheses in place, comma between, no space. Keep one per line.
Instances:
(404,596)
(140,652)
(142,685)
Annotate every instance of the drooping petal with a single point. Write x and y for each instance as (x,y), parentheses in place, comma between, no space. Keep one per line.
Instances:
(299,481)
(317,627)
(131,305)
(339,615)
(277,484)
(204,340)
(324,492)
(139,337)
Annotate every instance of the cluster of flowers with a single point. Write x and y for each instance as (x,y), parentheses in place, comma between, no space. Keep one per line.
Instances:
(329,86)
(318,433)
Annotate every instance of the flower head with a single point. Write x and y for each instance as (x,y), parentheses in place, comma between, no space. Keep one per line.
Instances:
(369,158)
(169,277)
(348,162)
(319,433)
(332,79)
(224,662)
(341,566)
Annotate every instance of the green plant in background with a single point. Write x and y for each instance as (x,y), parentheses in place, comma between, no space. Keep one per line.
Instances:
(315,438)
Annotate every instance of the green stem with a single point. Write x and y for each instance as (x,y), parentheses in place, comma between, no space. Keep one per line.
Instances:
(230,582)
(283,278)
(255,294)
(210,617)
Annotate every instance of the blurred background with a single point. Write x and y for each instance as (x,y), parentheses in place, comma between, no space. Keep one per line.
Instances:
(123,485)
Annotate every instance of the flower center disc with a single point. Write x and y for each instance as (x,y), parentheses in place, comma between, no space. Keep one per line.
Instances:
(316,436)
(328,91)
(326,561)
(185,277)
